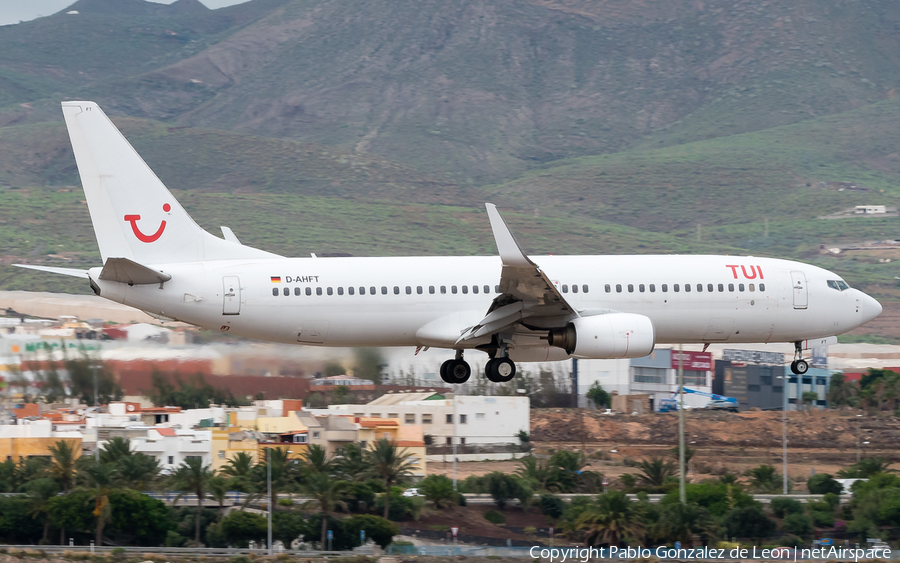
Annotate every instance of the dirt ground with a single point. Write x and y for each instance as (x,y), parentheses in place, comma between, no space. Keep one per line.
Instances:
(820,441)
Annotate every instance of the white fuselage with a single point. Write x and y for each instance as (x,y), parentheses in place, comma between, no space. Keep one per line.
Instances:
(310,301)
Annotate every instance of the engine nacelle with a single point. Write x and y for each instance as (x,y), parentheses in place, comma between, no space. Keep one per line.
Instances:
(614,335)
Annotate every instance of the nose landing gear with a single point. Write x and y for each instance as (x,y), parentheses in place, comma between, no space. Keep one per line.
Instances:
(799,366)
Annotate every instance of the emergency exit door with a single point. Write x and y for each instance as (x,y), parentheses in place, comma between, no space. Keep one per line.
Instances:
(232,295)
(798,281)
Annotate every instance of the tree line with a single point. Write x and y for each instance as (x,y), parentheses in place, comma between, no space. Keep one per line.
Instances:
(65,495)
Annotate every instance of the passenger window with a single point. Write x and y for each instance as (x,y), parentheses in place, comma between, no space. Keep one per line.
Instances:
(474,289)
(408,290)
(641,288)
(584,288)
(309,291)
(631,288)
(487,289)
(618,288)
(453,289)
(687,288)
(384,290)
(350,290)
(286,291)
(699,287)
(330,291)
(740,287)
(762,287)
(721,288)
(340,291)
(396,290)
(419,289)
(443,289)
(652,288)
(675,288)
(731,287)
(296,291)
(709,287)
(275,291)
(431,289)
(372,290)
(574,288)
(607,288)
(318,291)
(565,288)
(665,288)
(752,287)
(465,289)
(496,289)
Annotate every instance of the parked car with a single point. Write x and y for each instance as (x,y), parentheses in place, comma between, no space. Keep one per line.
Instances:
(720,405)
(412,493)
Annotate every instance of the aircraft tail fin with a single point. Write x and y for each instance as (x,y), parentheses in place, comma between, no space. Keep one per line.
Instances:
(134,214)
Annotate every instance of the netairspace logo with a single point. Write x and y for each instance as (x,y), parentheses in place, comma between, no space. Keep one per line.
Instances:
(585,554)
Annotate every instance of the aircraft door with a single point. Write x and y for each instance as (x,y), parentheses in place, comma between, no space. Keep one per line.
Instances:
(798,282)
(232,295)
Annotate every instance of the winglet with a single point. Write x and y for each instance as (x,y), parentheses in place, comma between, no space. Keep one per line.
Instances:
(510,252)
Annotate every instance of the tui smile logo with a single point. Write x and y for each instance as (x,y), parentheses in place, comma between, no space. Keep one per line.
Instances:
(133,219)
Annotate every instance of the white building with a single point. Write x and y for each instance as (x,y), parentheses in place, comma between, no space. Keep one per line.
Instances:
(870,209)
(172,446)
(472,419)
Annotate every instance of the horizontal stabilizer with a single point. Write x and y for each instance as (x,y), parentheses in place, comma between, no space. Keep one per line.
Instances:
(128,271)
(64,271)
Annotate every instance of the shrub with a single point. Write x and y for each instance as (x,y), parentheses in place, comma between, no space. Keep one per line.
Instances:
(239,528)
(552,506)
(503,488)
(494,517)
(823,483)
(832,499)
(748,522)
(783,506)
(377,529)
(798,525)
(439,490)
(401,507)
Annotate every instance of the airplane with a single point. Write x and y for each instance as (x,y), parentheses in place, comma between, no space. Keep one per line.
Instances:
(514,307)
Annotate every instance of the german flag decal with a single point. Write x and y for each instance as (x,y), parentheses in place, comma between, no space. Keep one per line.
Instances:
(276,279)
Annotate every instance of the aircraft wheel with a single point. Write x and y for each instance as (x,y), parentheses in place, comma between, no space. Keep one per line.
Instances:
(500,370)
(800,367)
(456,371)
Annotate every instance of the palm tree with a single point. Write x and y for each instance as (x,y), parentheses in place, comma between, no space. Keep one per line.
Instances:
(350,462)
(62,468)
(115,449)
(282,471)
(218,490)
(765,479)
(866,467)
(192,477)
(138,471)
(610,520)
(532,469)
(100,479)
(386,463)
(315,460)
(681,522)
(39,492)
(239,471)
(327,493)
(656,472)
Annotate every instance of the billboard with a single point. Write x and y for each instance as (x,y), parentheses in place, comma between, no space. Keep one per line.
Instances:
(753,357)
(696,361)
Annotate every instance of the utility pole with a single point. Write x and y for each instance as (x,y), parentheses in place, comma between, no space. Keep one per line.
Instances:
(784,404)
(97,407)
(455,417)
(682,492)
(269,500)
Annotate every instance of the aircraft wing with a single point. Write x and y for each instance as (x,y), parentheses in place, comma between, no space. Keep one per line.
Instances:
(524,289)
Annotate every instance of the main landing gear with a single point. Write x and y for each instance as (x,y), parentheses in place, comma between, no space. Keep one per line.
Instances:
(499,369)
(799,366)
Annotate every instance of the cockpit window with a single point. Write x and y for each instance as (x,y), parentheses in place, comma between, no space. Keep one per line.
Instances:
(839,285)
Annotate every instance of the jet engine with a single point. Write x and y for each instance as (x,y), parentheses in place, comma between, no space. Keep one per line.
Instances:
(613,335)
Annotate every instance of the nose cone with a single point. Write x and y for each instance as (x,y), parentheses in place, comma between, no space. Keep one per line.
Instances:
(869,307)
